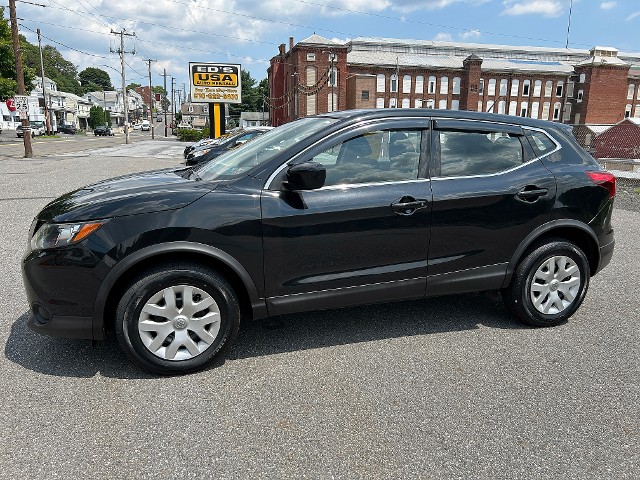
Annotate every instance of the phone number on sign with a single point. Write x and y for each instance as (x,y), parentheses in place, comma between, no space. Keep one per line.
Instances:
(215,96)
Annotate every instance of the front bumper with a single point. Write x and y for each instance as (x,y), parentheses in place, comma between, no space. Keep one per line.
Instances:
(61,326)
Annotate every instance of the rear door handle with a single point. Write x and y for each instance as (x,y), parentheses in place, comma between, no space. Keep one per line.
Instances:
(531,193)
(408,205)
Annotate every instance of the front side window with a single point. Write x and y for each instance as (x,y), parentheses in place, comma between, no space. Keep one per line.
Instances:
(379,156)
(477,153)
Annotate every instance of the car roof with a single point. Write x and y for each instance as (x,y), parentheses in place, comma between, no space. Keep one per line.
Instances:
(428,112)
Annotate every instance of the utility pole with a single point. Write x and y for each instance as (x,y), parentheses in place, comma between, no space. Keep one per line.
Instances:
(121,51)
(44,90)
(332,79)
(17,53)
(150,99)
(173,105)
(164,103)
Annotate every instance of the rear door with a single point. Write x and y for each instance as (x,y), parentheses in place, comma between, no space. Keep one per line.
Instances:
(489,193)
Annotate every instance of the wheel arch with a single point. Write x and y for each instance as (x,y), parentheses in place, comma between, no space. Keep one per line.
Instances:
(124,271)
(572,230)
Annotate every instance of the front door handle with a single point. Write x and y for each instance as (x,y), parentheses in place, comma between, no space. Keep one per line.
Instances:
(408,205)
(531,193)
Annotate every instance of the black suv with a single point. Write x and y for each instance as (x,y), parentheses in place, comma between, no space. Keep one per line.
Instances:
(339,209)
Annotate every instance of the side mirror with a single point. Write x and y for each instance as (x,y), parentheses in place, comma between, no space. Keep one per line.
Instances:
(306,176)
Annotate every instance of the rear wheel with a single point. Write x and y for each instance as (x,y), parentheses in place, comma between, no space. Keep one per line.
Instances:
(177,318)
(549,284)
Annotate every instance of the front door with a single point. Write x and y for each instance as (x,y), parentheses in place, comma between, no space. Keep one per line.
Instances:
(361,238)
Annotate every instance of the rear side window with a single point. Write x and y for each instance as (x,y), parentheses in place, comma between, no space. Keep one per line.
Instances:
(540,143)
(467,153)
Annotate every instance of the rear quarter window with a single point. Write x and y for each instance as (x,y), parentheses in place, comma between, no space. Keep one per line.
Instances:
(540,143)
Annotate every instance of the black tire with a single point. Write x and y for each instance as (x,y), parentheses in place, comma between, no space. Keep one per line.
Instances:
(518,295)
(150,284)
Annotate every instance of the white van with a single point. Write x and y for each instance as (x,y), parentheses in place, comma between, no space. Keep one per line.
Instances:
(146,126)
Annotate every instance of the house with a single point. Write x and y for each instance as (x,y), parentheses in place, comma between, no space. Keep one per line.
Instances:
(622,141)
(253,119)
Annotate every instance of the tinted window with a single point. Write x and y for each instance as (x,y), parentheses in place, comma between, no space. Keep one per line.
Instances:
(476,153)
(540,143)
(380,156)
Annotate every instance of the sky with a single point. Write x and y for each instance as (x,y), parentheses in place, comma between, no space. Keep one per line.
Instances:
(176,32)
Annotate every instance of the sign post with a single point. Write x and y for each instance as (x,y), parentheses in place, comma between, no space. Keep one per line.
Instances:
(215,84)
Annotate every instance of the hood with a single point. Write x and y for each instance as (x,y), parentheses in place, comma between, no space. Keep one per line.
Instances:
(145,192)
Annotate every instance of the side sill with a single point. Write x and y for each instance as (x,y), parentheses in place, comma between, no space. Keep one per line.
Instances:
(489,277)
(347,297)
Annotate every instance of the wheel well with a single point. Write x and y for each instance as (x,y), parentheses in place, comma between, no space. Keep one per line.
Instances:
(128,275)
(579,237)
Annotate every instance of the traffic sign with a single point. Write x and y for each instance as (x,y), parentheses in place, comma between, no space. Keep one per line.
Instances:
(21,103)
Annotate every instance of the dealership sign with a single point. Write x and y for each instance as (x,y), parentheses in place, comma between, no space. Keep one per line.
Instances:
(215,83)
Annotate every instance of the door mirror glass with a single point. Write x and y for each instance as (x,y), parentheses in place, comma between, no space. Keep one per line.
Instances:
(306,176)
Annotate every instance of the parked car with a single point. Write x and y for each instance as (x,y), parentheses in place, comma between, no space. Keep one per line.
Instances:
(68,128)
(206,152)
(145,126)
(340,209)
(37,128)
(137,126)
(103,131)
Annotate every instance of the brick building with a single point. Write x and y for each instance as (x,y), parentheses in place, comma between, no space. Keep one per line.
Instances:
(600,86)
(620,141)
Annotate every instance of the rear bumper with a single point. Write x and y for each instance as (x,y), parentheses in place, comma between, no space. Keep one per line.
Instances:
(606,252)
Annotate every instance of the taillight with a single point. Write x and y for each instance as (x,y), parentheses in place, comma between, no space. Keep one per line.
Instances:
(604,179)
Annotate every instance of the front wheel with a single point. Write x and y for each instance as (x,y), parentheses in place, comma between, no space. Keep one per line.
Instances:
(549,284)
(177,318)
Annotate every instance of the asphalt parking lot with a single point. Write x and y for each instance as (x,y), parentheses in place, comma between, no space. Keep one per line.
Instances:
(449,387)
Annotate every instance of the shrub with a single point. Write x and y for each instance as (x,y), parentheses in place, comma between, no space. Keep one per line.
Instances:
(189,134)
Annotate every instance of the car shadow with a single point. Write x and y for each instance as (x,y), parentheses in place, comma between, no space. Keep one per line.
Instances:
(286,333)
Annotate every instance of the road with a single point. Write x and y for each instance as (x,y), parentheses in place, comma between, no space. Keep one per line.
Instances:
(449,387)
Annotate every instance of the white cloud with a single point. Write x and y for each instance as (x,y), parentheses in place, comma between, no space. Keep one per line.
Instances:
(608,5)
(471,34)
(408,6)
(633,15)
(547,8)
(443,37)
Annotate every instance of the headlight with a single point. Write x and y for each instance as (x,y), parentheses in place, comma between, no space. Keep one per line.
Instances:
(52,235)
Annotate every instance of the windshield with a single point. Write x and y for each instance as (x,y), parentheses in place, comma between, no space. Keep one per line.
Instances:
(261,149)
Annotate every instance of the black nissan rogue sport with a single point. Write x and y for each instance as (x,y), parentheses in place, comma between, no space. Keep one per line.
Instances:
(339,209)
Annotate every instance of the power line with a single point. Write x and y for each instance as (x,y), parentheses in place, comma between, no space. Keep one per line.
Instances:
(65,46)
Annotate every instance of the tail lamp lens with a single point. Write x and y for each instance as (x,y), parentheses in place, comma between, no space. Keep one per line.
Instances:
(604,179)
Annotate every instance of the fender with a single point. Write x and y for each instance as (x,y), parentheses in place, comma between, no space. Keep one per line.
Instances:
(258,304)
(537,233)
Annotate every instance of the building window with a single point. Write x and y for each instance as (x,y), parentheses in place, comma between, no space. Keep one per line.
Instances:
(570,87)
(455,104)
(559,89)
(502,107)
(380,83)
(392,102)
(580,95)
(456,86)
(576,119)
(311,99)
(479,106)
(513,108)
(537,88)
(365,95)
(332,102)
(515,85)
(567,112)
(431,103)
(444,85)
(636,113)
(583,78)
(630,91)
(503,87)
(524,109)
(419,84)
(393,87)
(535,107)
(526,85)
(548,88)
(492,87)
(432,85)
(490,104)
(442,104)
(627,111)
(418,103)
(379,102)
(311,57)
(481,89)
(556,111)
(406,84)
(406,103)
(546,106)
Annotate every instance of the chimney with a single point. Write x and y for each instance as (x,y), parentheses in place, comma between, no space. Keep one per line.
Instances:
(281,49)
(290,43)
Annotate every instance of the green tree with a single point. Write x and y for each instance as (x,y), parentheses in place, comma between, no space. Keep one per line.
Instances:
(61,71)
(96,116)
(251,95)
(95,79)
(133,86)
(8,83)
